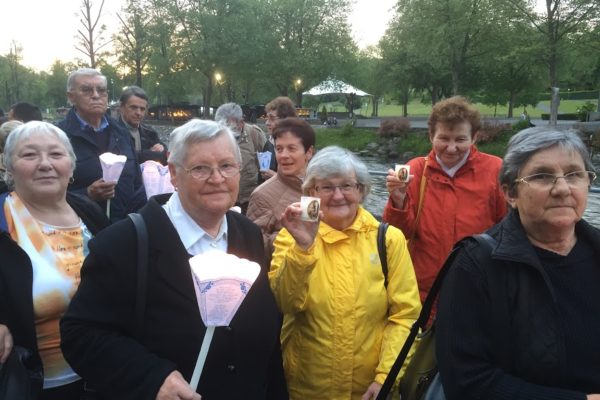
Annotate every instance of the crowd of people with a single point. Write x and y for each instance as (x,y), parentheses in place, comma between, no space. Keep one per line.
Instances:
(97,306)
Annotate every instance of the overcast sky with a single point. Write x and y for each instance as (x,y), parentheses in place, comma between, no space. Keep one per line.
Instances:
(46,30)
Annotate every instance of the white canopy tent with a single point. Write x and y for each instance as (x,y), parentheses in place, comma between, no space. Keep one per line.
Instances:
(334,86)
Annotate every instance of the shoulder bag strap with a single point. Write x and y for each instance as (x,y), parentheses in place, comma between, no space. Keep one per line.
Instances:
(421,322)
(142,271)
(382,250)
(422,186)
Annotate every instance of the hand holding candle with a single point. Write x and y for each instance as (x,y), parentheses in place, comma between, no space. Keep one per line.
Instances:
(221,282)
(112,166)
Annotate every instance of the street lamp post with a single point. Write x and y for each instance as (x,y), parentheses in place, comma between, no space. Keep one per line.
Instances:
(219,82)
(298,85)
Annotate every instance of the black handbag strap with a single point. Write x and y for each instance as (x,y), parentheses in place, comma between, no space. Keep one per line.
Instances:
(484,240)
(142,271)
(381,248)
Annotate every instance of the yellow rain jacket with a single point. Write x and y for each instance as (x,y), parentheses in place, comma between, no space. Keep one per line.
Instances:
(341,329)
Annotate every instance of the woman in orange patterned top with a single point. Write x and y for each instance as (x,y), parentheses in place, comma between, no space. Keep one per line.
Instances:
(43,241)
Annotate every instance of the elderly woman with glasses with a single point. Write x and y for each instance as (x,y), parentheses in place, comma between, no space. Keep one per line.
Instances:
(99,336)
(343,326)
(521,319)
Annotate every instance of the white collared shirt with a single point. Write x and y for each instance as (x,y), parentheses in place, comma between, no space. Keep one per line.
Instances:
(452,171)
(194,238)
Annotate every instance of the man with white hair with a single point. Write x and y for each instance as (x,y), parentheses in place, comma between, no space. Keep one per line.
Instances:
(250,139)
(92,133)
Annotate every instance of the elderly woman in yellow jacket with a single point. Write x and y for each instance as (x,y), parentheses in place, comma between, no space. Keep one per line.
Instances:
(343,327)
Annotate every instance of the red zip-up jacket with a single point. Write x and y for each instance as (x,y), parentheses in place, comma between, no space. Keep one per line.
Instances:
(466,204)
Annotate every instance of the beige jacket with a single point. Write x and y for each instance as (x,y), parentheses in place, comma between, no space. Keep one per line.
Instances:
(250,141)
(267,203)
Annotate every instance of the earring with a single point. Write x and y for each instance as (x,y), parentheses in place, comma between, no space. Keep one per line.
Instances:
(71,180)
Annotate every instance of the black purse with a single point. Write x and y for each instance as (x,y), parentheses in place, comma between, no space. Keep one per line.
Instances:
(421,380)
(17,381)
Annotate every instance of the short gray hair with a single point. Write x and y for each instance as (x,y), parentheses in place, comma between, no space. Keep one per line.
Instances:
(25,131)
(229,111)
(522,146)
(5,129)
(334,161)
(196,131)
(82,72)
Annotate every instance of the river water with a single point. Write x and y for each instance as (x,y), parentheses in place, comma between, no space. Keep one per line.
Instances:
(378,197)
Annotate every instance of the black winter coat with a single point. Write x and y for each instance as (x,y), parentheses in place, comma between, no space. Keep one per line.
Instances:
(148,138)
(499,335)
(129,192)
(98,339)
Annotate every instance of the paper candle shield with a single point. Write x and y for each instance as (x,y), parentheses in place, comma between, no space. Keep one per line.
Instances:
(112,166)
(222,281)
(156,177)
(264,159)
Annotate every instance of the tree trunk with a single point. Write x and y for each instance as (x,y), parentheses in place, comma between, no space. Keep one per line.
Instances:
(138,72)
(554,102)
(375,101)
(208,98)
(455,81)
(511,104)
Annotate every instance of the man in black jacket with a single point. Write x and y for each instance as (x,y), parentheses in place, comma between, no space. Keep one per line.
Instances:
(148,146)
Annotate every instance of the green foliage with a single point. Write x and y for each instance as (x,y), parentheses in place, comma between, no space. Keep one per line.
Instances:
(417,141)
(491,130)
(520,125)
(347,129)
(396,127)
(357,141)
(497,147)
(584,109)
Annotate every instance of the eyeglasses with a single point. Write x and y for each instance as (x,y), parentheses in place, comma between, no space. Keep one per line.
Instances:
(203,172)
(575,179)
(89,90)
(272,118)
(346,188)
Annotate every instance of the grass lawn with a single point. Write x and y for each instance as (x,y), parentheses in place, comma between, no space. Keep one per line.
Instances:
(416,109)
(355,140)
(417,141)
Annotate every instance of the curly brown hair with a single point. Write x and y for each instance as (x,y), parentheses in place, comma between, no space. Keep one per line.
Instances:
(453,111)
(283,106)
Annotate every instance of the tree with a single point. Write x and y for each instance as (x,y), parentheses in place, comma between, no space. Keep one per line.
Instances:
(370,70)
(134,45)
(513,74)
(90,36)
(557,24)
(312,41)
(56,82)
(14,58)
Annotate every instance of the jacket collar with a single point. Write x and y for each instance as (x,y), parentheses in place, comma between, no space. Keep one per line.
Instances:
(468,165)
(292,181)
(364,222)
(171,257)
(513,244)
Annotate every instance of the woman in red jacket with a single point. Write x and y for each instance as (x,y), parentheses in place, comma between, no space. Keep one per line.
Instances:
(450,194)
